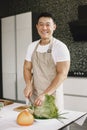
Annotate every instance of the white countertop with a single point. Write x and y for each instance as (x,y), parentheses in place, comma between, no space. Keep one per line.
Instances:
(8,120)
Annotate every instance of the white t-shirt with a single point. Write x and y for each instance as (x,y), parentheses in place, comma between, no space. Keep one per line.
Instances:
(60,51)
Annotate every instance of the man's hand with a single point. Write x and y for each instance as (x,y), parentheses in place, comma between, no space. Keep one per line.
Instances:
(28,91)
(39,100)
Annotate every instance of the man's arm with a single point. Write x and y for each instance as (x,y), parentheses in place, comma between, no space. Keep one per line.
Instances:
(27,77)
(62,72)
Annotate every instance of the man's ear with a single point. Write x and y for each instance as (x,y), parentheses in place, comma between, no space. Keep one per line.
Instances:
(55,27)
(36,26)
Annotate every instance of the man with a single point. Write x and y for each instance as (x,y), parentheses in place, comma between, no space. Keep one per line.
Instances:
(49,60)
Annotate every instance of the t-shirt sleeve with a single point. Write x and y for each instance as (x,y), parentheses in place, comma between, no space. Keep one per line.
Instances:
(30,50)
(62,53)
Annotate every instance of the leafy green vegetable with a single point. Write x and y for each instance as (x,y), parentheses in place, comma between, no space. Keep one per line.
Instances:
(47,110)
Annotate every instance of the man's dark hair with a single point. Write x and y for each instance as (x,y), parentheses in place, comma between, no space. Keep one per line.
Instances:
(45,14)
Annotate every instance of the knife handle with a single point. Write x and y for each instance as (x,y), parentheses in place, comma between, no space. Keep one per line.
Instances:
(27,101)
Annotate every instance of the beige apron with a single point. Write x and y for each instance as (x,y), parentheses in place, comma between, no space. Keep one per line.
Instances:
(44,71)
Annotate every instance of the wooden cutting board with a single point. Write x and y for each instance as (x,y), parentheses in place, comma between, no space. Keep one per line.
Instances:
(21,108)
(6,102)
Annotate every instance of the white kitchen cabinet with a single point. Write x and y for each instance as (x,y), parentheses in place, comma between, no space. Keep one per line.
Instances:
(8,57)
(24,37)
(16,35)
(75,103)
(75,94)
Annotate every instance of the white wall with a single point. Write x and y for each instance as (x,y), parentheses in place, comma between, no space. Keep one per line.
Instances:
(75,91)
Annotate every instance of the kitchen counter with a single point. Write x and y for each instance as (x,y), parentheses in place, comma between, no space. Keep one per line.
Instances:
(8,120)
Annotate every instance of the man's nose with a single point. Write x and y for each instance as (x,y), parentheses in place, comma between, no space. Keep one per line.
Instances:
(44,27)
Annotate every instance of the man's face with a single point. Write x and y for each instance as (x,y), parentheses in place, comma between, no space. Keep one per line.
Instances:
(45,27)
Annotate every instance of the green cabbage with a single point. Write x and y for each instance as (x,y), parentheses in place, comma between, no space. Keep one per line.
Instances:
(47,110)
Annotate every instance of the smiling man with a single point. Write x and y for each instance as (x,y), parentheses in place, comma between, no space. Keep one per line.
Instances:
(49,60)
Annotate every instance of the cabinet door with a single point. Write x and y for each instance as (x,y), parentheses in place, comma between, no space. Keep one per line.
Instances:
(8,57)
(75,103)
(75,90)
(23,38)
(75,86)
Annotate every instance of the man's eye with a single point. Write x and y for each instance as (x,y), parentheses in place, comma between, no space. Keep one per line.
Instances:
(41,24)
(48,25)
